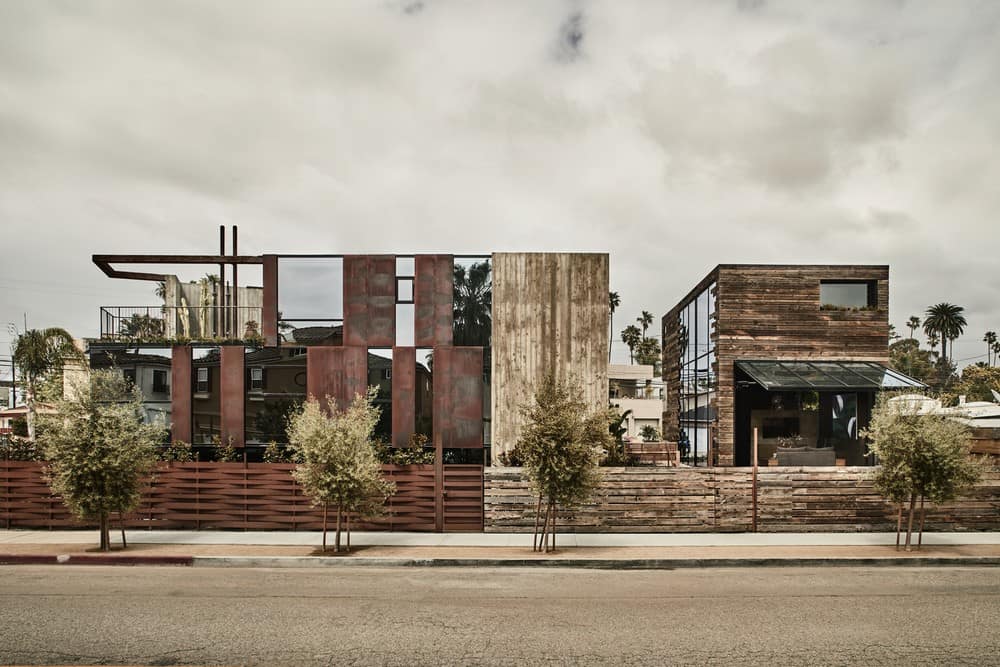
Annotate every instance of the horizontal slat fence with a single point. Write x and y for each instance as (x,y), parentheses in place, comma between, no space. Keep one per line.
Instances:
(685,500)
(254,496)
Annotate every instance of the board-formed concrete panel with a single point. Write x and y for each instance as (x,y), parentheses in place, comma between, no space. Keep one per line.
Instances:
(550,316)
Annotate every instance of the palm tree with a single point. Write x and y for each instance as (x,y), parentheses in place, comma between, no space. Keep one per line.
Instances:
(946,320)
(913,324)
(473,304)
(613,302)
(36,353)
(645,320)
(631,337)
(990,339)
(932,341)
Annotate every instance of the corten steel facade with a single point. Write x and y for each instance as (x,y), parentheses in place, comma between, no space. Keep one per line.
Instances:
(770,313)
(550,316)
(419,327)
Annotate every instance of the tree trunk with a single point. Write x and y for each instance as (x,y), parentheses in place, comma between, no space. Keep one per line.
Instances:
(121,515)
(348,532)
(555,517)
(336,547)
(29,402)
(543,543)
(538,512)
(105,532)
(326,506)
(899,523)
(909,525)
(920,535)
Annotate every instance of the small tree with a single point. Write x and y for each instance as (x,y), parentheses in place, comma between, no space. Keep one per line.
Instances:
(921,456)
(649,433)
(99,448)
(337,460)
(561,447)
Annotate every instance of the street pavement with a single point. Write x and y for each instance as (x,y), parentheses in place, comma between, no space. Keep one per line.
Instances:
(608,550)
(500,616)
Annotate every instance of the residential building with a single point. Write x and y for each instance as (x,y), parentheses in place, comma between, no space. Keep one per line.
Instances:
(793,353)
(634,391)
(455,344)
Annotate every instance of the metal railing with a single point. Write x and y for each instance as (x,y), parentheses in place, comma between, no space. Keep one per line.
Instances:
(180,323)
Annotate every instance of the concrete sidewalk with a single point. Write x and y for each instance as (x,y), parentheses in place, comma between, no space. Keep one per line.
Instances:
(611,551)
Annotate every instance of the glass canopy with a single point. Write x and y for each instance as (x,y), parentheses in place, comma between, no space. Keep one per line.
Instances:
(825,375)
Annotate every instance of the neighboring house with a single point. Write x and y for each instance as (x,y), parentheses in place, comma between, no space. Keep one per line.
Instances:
(10,415)
(796,352)
(149,372)
(982,418)
(632,387)
(456,344)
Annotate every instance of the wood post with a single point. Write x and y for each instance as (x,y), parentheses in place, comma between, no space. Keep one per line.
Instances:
(754,481)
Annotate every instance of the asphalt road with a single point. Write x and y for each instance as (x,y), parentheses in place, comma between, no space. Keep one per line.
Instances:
(401,616)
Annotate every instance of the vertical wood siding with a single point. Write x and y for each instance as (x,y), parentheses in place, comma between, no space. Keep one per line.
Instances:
(550,315)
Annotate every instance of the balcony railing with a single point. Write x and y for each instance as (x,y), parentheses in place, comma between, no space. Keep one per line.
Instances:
(180,323)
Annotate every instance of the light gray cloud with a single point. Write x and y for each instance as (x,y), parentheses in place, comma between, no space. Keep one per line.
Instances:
(674,135)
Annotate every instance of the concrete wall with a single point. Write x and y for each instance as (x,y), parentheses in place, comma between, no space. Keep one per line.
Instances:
(550,315)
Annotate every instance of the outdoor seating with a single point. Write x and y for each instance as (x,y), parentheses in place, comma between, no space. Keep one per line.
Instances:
(806,456)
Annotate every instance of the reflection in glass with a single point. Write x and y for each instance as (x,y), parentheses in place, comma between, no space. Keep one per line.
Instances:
(310,288)
(205,402)
(424,397)
(276,387)
(380,375)
(149,370)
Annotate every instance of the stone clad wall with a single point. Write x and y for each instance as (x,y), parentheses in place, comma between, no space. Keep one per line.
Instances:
(705,500)
(550,315)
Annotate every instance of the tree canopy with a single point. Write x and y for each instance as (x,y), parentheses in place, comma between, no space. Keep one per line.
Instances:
(337,460)
(561,447)
(99,447)
(921,456)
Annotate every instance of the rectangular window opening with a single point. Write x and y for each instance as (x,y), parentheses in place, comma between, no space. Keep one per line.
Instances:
(848,295)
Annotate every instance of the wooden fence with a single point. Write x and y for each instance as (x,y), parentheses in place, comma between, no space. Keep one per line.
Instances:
(684,500)
(254,496)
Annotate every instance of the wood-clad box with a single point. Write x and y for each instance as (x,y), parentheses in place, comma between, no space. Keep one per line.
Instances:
(550,315)
(778,312)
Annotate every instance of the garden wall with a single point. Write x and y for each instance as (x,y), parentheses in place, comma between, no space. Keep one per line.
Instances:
(251,496)
(695,500)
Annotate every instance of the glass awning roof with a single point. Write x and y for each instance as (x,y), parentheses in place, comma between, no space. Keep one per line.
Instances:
(825,375)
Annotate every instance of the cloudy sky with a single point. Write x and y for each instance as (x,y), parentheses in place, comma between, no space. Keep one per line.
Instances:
(675,136)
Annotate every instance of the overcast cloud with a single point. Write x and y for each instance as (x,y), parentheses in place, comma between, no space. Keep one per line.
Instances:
(675,136)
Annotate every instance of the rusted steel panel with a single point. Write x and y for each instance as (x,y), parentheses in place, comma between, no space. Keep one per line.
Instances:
(381,301)
(269,312)
(180,393)
(232,394)
(355,299)
(324,372)
(404,372)
(458,396)
(370,300)
(434,299)
(355,379)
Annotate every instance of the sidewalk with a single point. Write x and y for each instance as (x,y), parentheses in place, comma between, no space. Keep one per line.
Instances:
(605,550)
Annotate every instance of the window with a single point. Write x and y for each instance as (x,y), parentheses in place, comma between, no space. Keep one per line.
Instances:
(129,374)
(160,382)
(201,384)
(256,379)
(387,373)
(835,295)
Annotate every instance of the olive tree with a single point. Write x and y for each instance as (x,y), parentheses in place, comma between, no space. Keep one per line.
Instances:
(561,446)
(337,460)
(921,456)
(99,448)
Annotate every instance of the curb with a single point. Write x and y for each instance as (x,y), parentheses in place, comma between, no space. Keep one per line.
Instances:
(96,559)
(579,563)
(586,563)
